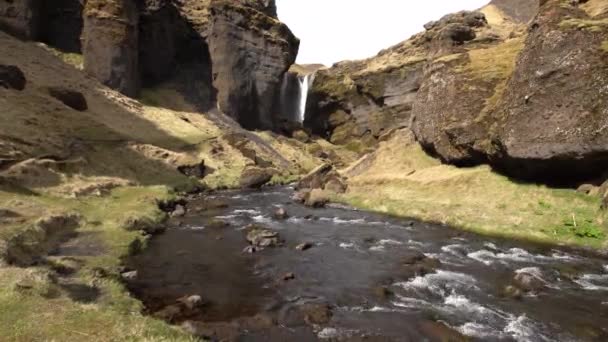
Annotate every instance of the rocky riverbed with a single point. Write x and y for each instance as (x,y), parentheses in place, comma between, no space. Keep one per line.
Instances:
(256,266)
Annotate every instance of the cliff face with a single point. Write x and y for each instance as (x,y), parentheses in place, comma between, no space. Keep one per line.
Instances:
(250,52)
(518,84)
(232,53)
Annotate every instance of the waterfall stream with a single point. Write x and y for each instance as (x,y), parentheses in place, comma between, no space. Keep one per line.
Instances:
(294,95)
(305,82)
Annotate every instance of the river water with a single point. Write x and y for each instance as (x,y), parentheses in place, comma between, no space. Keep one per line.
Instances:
(357,280)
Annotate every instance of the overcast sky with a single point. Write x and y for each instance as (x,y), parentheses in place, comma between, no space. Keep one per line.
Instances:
(334,30)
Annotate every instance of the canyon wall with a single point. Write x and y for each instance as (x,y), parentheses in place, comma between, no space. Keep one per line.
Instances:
(229,54)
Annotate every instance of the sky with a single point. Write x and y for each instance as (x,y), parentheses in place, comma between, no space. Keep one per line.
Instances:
(334,30)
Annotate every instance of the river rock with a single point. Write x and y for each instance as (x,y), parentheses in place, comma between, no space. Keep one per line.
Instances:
(179,211)
(129,276)
(281,214)
(317,198)
(529,282)
(316,178)
(255,178)
(110,41)
(300,196)
(12,77)
(261,237)
(192,302)
(316,314)
(418,264)
(304,246)
(289,276)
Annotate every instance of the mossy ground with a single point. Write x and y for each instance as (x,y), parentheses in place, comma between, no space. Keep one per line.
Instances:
(404,181)
(113,315)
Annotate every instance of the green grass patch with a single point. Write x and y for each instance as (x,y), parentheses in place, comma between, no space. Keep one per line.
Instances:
(43,315)
(404,181)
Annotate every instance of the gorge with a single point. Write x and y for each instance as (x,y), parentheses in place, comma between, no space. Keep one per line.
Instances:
(168,173)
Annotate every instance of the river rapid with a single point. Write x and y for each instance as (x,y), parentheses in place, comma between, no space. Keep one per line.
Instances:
(365,277)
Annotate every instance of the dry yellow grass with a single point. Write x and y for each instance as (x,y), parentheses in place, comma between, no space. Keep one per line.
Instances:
(403,180)
(595,7)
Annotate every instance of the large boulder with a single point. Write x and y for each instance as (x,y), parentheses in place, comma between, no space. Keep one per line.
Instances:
(110,41)
(552,118)
(250,51)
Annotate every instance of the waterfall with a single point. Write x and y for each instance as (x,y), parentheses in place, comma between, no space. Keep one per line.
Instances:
(294,94)
(305,82)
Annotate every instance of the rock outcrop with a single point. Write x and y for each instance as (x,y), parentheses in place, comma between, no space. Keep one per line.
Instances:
(250,52)
(553,115)
(110,41)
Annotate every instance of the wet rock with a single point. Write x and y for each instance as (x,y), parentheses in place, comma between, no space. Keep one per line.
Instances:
(300,196)
(304,246)
(261,237)
(192,302)
(289,276)
(255,178)
(317,198)
(109,44)
(418,264)
(382,292)
(250,250)
(437,331)
(217,224)
(70,98)
(513,292)
(129,276)
(281,214)
(528,282)
(11,77)
(316,314)
(179,211)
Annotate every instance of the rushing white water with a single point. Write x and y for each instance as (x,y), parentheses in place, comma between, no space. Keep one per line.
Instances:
(305,83)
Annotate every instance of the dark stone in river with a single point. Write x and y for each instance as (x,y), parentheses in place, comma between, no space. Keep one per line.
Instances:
(255,178)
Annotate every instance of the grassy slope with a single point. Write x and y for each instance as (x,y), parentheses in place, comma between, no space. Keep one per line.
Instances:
(402,180)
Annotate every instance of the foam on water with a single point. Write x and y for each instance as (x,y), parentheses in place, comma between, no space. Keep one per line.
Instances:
(488,257)
(474,329)
(338,220)
(440,281)
(246,211)
(346,245)
(262,219)
(522,329)
(590,282)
